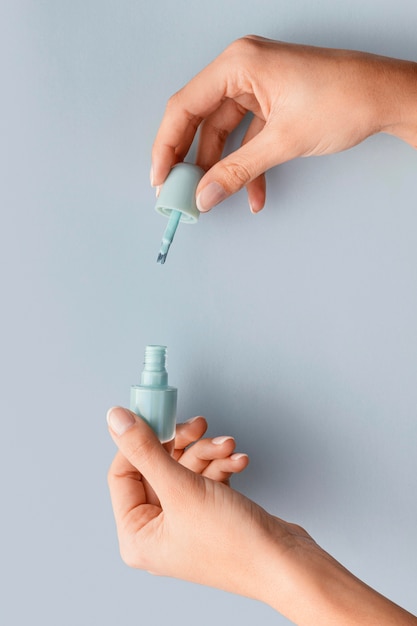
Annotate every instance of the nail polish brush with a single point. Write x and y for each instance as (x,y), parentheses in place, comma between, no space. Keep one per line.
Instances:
(177,201)
(168,235)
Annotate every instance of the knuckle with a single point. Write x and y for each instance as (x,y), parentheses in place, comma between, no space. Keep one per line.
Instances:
(215,131)
(129,557)
(237,174)
(176,104)
(172,101)
(111,473)
(133,553)
(242,45)
(299,531)
(141,451)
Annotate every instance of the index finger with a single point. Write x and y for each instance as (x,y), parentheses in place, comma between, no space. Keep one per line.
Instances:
(183,114)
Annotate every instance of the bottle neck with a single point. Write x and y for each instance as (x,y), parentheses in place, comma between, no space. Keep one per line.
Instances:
(154,373)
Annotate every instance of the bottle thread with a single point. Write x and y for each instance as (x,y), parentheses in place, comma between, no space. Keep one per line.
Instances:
(154,373)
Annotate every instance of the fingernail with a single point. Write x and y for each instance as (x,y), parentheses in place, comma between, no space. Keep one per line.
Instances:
(237,456)
(151,177)
(193,419)
(211,195)
(158,190)
(254,210)
(120,420)
(219,440)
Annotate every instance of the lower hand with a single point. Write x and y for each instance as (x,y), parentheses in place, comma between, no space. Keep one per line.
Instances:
(195,528)
(188,526)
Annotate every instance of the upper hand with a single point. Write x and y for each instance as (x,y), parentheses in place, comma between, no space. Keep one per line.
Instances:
(304,100)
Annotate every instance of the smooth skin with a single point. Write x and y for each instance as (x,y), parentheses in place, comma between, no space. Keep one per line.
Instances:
(305,101)
(175,522)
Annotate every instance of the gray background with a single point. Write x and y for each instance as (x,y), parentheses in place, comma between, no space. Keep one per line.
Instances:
(294,330)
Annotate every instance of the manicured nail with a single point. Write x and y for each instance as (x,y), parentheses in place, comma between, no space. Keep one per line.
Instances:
(151,177)
(219,440)
(238,455)
(193,419)
(255,210)
(158,190)
(210,196)
(120,420)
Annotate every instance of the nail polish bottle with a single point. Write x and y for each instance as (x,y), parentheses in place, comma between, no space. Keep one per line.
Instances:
(153,399)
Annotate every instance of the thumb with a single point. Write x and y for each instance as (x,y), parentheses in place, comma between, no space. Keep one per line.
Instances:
(237,170)
(140,446)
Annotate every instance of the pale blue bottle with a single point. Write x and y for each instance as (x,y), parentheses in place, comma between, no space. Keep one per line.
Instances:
(154,400)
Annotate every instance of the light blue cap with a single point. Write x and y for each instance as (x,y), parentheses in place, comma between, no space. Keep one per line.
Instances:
(177,201)
(178,192)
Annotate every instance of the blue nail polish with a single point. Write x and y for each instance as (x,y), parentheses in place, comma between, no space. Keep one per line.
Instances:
(154,400)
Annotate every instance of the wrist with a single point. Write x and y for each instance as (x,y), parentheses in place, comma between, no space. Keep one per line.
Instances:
(309,586)
(398,98)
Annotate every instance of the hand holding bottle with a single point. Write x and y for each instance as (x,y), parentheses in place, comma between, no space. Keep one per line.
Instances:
(195,529)
(202,531)
(305,101)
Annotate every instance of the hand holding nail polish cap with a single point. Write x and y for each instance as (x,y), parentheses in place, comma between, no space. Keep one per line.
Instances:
(303,101)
